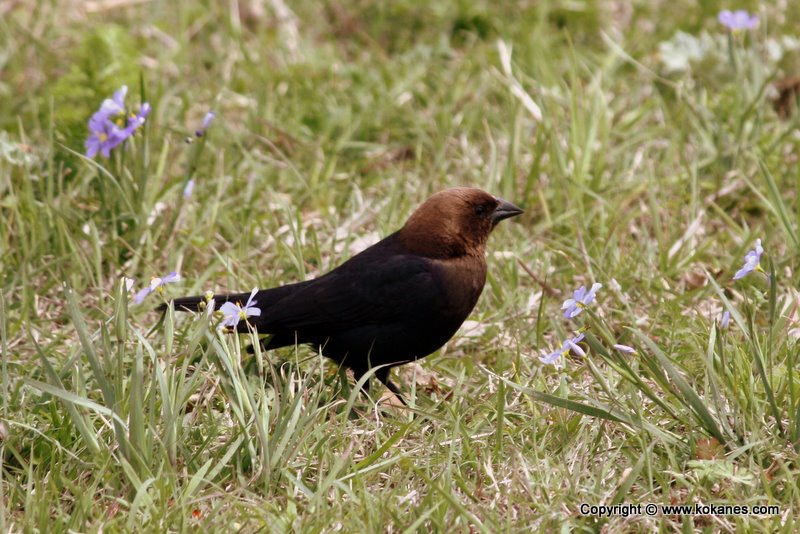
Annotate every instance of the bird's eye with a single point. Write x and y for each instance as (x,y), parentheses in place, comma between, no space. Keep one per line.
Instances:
(480,210)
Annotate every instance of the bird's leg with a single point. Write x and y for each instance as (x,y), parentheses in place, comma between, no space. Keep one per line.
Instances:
(383,375)
(358,374)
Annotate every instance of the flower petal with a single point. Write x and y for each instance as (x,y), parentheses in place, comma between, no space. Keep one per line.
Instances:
(145,110)
(230,321)
(92,147)
(579,293)
(250,299)
(207,120)
(550,359)
(119,96)
(171,278)
(570,343)
(188,188)
(141,294)
(230,308)
(726,319)
(589,298)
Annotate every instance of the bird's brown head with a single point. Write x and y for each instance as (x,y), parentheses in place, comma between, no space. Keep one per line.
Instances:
(455,222)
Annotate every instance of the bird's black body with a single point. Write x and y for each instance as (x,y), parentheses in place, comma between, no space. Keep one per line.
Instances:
(397,301)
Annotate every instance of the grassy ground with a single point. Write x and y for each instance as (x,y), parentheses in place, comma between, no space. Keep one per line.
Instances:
(644,171)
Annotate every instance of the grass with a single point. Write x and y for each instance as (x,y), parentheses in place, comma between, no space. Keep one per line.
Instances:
(334,120)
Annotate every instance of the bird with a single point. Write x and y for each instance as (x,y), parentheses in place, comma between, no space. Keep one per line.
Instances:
(395,302)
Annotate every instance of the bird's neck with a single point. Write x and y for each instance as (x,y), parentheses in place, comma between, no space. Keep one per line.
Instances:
(441,245)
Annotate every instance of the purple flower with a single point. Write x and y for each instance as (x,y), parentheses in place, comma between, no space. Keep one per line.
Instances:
(115,105)
(551,359)
(205,124)
(156,284)
(726,319)
(188,188)
(111,124)
(624,348)
(135,120)
(144,110)
(737,20)
(580,299)
(103,136)
(572,344)
(235,312)
(751,261)
(566,347)
(209,304)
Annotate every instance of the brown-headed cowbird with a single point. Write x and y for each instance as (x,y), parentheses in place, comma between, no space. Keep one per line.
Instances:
(395,302)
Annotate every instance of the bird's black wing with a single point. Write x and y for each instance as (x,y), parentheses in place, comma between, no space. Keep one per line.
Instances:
(376,289)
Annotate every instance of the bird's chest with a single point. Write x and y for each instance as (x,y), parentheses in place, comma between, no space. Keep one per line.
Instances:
(456,293)
(462,284)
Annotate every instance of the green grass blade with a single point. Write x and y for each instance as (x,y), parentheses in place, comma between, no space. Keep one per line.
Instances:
(82,424)
(777,205)
(689,395)
(76,400)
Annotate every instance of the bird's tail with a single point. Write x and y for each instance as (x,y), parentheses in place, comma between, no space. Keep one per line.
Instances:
(198,302)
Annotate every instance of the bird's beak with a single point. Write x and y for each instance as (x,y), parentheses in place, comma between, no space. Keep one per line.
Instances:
(505,210)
